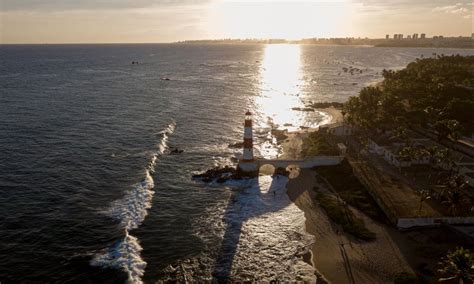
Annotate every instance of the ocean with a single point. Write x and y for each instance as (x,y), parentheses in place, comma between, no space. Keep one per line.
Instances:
(89,191)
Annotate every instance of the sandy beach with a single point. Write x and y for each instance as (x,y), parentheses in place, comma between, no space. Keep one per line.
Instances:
(334,114)
(339,257)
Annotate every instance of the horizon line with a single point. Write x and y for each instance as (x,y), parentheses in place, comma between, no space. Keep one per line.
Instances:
(217,39)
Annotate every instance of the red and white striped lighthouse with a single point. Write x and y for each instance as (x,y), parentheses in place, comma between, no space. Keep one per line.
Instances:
(248,166)
(248,138)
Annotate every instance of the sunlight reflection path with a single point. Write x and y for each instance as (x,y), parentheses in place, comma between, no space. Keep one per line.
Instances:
(280,85)
(279,105)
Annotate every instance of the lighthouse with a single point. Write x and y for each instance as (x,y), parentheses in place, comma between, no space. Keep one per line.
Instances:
(247,163)
(248,138)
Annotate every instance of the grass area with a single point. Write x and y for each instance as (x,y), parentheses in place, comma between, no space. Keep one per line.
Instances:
(317,144)
(350,189)
(342,216)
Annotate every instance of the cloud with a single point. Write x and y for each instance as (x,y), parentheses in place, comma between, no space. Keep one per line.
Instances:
(411,4)
(65,5)
(458,8)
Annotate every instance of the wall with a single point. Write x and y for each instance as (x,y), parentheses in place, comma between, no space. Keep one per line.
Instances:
(405,223)
(306,163)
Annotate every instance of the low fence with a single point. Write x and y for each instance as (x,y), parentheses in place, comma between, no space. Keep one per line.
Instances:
(406,223)
(304,163)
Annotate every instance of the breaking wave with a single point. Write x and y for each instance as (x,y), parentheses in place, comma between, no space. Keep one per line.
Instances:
(131,211)
(125,255)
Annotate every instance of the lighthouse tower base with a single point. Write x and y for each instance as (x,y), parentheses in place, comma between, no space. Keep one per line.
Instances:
(247,168)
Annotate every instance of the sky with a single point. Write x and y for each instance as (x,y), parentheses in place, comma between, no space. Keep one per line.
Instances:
(142,21)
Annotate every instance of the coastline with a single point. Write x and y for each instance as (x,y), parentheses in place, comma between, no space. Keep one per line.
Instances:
(336,256)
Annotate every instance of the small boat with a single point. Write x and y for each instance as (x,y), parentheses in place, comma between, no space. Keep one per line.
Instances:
(176,151)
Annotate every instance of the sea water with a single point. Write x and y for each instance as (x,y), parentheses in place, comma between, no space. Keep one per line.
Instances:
(90,191)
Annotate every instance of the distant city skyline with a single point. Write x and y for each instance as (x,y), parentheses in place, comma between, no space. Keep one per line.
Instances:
(148,21)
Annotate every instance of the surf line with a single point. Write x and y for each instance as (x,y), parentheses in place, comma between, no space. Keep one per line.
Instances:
(131,210)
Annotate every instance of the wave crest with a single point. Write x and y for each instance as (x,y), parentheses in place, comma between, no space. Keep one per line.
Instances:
(131,211)
(125,254)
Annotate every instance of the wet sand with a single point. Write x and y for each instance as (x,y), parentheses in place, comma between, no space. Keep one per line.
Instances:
(334,114)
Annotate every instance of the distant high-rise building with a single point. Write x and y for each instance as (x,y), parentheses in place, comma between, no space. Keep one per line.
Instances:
(415,36)
(408,36)
(387,36)
(400,36)
(423,36)
(395,36)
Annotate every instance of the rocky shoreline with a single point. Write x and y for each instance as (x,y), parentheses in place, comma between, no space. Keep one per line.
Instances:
(221,175)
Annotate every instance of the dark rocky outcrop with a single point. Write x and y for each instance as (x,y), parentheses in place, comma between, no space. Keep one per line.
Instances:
(221,175)
(280,135)
(218,174)
(337,105)
(303,109)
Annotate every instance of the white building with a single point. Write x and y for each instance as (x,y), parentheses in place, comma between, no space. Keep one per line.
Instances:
(389,148)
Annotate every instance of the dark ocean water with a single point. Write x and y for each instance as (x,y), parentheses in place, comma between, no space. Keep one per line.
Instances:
(88,190)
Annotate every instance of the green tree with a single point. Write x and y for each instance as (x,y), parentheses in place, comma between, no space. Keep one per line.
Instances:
(431,91)
(446,128)
(458,266)
(455,196)
(364,109)
(462,111)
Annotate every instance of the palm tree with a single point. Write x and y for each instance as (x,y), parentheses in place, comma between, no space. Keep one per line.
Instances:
(408,153)
(433,153)
(400,133)
(455,197)
(457,266)
(443,158)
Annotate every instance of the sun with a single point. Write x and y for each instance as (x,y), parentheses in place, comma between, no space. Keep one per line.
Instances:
(280,19)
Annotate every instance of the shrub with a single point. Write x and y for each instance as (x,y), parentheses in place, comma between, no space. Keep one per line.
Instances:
(342,216)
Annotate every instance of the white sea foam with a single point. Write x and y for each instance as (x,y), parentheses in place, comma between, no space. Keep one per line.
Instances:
(125,254)
(163,145)
(131,211)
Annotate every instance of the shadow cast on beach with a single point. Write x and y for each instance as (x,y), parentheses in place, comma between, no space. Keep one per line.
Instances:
(251,202)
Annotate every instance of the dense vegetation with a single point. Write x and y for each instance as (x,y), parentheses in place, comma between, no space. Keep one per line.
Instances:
(318,144)
(343,216)
(457,266)
(436,92)
(350,189)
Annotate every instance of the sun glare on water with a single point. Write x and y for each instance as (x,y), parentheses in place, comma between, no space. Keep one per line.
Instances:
(280,84)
